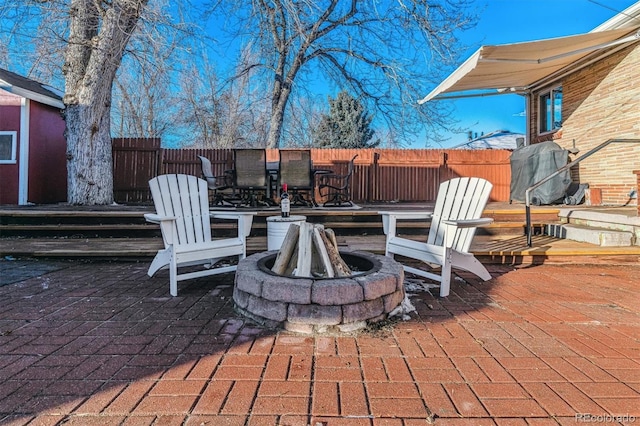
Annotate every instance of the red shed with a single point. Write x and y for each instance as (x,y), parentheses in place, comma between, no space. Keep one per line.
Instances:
(33,165)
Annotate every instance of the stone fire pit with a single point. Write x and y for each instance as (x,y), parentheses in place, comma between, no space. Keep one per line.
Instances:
(315,305)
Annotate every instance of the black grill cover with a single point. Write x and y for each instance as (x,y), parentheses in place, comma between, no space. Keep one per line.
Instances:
(532,163)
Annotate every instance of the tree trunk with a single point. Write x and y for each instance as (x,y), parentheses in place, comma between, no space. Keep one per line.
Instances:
(97,40)
(89,157)
(278,107)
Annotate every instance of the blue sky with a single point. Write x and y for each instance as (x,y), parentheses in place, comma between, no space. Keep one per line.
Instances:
(513,21)
(502,22)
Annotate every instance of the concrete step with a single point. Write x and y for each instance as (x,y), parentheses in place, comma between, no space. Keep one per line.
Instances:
(614,226)
(599,236)
(617,218)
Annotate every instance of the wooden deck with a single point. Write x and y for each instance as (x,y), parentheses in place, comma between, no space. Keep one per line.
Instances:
(511,250)
(119,232)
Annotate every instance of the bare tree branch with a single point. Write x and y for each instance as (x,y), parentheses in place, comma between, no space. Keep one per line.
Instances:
(385,52)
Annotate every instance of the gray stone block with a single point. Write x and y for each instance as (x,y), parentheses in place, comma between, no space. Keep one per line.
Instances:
(377,285)
(362,311)
(388,263)
(352,326)
(323,328)
(298,328)
(392,301)
(244,266)
(240,297)
(336,292)
(377,319)
(288,290)
(390,266)
(250,263)
(250,281)
(258,319)
(276,311)
(400,279)
(314,314)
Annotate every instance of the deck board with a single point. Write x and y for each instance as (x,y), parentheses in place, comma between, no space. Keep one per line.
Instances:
(489,249)
(504,242)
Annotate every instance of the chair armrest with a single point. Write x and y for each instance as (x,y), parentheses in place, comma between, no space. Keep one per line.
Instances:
(390,219)
(325,178)
(224,181)
(156,218)
(408,215)
(218,214)
(245,220)
(167,226)
(469,223)
(231,174)
(451,230)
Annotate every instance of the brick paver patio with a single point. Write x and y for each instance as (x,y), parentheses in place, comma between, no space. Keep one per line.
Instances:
(100,343)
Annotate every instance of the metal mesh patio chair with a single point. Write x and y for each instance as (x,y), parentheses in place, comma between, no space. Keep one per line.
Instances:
(220,186)
(296,171)
(337,188)
(251,179)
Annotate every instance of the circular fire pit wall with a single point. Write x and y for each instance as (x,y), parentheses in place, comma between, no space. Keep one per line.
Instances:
(315,305)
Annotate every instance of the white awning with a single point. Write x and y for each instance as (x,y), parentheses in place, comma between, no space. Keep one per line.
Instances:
(518,66)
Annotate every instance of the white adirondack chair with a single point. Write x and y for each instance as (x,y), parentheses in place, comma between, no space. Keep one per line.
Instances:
(182,210)
(456,215)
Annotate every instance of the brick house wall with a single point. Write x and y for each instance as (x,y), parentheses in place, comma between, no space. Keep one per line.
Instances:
(601,102)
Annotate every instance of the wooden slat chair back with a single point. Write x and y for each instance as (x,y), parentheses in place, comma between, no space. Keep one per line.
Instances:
(179,196)
(457,214)
(182,211)
(458,199)
(296,171)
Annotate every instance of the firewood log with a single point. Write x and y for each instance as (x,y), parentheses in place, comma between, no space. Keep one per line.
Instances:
(339,265)
(322,250)
(305,242)
(287,249)
(332,237)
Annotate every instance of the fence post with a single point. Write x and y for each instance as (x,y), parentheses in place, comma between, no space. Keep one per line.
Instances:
(159,160)
(373,176)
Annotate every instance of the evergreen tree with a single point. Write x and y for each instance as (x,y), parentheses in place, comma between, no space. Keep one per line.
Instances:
(347,126)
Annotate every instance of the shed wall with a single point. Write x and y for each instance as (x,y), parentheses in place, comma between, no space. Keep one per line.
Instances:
(47,155)
(47,180)
(9,121)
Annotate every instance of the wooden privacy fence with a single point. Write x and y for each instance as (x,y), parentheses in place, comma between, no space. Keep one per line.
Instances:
(380,175)
(135,162)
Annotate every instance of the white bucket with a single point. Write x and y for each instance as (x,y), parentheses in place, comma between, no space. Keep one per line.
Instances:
(277,227)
